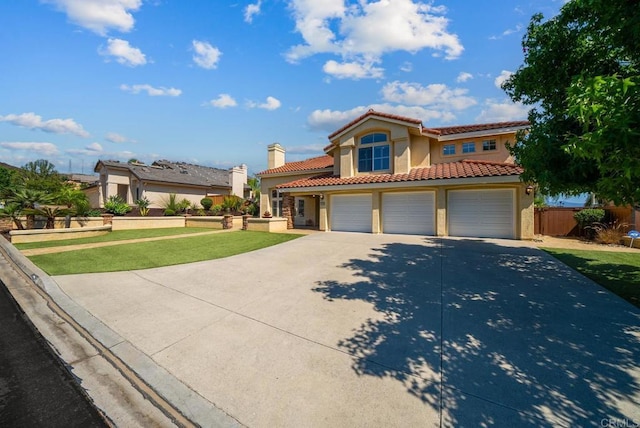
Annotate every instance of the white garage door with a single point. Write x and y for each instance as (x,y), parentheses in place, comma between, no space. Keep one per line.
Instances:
(351,213)
(411,213)
(482,213)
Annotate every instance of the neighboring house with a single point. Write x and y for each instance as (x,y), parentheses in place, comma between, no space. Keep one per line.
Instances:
(389,174)
(158,180)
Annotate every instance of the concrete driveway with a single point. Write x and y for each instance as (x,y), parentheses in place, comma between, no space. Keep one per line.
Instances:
(341,329)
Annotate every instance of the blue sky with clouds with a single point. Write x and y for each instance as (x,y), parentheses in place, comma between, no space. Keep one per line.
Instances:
(214,82)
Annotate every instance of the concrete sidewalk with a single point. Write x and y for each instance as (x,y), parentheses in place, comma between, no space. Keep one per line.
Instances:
(339,329)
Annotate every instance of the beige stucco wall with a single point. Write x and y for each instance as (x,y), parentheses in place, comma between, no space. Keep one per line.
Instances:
(127,223)
(526,212)
(158,194)
(44,235)
(267,224)
(501,154)
(211,222)
(420,151)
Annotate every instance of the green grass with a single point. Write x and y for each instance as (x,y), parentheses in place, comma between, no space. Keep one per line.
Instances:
(617,272)
(146,255)
(118,235)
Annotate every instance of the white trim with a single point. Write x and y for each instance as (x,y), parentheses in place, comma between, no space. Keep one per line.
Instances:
(476,134)
(381,118)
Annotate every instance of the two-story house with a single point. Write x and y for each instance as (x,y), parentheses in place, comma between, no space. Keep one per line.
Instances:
(384,173)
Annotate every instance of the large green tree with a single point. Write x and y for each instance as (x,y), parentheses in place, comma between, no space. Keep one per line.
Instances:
(39,175)
(580,75)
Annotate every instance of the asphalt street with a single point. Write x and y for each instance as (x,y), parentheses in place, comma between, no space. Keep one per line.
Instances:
(36,390)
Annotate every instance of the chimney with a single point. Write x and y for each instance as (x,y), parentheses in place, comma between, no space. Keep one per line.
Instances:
(275,157)
(237,179)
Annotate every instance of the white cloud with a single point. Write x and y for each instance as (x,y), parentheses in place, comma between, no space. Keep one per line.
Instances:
(502,111)
(463,77)
(406,67)
(55,126)
(44,149)
(352,70)
(435,95)
(124,53)
(251,10)
(116,138)
(364,31)
(100,15)
(96,150)
(508,32)
(270,104)
(309,149)
(330,120)
(223,101)
(206,56)
(152,91)
(504,76)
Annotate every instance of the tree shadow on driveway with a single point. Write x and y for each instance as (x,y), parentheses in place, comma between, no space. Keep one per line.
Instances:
(494,334)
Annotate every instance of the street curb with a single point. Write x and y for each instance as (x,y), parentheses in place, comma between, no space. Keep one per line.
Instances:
(190,404)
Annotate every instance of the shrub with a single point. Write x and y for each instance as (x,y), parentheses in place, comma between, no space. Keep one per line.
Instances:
(609,233)
(169,212)
(232,203)
(216,209)
(93,213)
(206,203)
(589,216)
(143,206)
(116,205)
(184,205)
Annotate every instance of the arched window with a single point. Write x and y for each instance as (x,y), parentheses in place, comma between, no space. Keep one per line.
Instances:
(373,154)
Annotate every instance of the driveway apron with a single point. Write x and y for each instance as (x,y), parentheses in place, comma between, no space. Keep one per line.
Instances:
(345,329)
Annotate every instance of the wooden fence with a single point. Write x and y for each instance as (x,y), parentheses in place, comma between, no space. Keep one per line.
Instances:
(559,221)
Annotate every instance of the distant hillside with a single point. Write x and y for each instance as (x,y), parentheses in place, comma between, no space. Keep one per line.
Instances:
(7,166)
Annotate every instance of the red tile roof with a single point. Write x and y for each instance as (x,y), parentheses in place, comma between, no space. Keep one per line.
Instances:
(461,169)
(461,129)
(372,112)
(320,162)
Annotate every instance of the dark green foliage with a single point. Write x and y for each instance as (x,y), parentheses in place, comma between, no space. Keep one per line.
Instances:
(580,75)
(116,205)
(169,212)
(39,175)
(587,217)
(206,203)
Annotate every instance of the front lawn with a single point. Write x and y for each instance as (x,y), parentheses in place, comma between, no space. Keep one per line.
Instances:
(617,272)
(146,255)
(118,235)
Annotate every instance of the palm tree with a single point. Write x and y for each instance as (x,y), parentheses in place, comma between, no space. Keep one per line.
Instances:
(13,211)
(76,201)
(50,213)
(28,199)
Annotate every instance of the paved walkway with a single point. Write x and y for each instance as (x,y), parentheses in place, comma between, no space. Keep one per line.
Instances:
(339,329)
(64,248)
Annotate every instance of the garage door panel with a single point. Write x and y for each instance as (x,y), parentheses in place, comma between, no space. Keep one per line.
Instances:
(351,213)
(409,213)
(482,213)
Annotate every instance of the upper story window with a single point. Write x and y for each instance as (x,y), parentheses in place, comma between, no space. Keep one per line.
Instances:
(489,145)
(469,147)
(374,157)
(449,149)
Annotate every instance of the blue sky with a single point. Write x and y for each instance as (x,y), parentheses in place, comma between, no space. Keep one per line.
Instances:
(213,82)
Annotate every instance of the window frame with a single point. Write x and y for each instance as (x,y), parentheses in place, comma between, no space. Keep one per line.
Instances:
(377,147)
(448,146)
(468,144)
(489,145)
